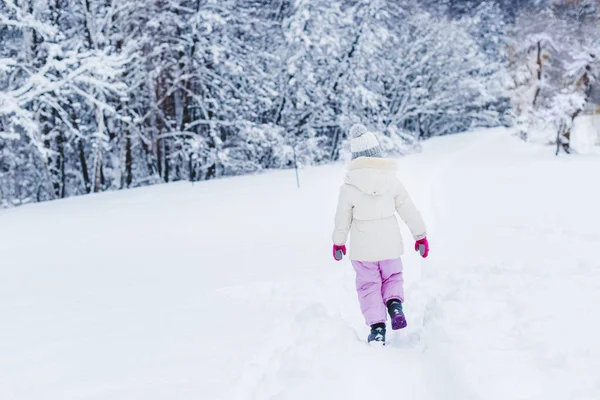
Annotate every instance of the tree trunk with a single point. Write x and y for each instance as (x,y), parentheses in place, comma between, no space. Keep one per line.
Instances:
(82,160)
(335,154)
(539,72)
(166,159)
(60,148)
(566,136)
(128,172)
(98,171)
(50,157)
(88,24)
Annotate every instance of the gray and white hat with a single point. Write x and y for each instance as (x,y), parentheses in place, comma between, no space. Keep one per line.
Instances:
(364,143)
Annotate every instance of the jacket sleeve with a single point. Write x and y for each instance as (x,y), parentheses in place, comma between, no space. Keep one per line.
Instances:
(409,213)
(343,217)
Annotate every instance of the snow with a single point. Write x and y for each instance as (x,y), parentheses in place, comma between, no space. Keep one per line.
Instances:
(585,135)
(227,289)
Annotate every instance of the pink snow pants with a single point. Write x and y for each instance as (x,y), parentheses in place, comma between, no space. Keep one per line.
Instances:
(376,283)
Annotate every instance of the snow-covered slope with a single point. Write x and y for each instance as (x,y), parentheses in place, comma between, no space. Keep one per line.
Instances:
(227,290)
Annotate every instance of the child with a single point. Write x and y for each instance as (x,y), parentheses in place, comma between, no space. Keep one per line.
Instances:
(368,202)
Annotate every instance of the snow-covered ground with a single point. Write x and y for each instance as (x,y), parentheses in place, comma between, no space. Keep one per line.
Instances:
(227,290)
(585,135)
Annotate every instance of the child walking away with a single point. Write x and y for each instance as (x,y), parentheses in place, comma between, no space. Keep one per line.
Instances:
(368,202)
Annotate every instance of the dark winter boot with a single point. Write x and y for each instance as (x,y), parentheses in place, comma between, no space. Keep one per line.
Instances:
(377,334)
(394,307)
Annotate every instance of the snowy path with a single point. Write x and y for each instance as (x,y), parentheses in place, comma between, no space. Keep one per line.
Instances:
(226,290)
(516,275)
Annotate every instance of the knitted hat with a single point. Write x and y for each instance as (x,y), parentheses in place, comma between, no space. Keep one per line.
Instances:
(363,143)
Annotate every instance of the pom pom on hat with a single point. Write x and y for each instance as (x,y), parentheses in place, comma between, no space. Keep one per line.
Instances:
(357,130)
(364,143)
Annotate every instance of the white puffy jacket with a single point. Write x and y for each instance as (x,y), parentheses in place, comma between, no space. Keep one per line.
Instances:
(368,202)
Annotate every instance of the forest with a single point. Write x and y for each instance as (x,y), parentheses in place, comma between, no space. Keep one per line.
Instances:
(100,95)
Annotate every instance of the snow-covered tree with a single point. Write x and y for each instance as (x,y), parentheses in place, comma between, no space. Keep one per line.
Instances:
(103,95)
(554,64)
(56,103)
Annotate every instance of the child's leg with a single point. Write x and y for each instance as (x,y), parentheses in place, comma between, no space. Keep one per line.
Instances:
(368,286)
(392,280)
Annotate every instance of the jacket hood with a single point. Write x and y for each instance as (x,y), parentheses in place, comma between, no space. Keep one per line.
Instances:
(374,176)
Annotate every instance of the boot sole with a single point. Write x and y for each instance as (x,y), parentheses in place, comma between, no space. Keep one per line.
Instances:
(398,322)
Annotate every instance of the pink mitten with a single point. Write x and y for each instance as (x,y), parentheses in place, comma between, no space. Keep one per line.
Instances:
(422,246)
(339,251)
